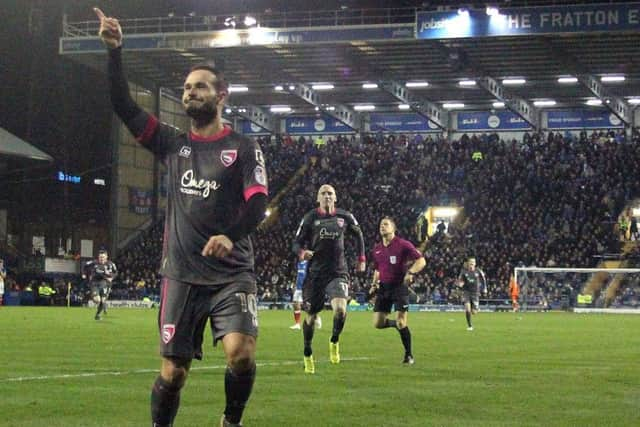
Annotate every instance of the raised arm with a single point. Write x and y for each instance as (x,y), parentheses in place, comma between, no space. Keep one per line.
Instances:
(143,126)
(111,35)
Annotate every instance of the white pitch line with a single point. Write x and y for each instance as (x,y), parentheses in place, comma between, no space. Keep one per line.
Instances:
(147,371)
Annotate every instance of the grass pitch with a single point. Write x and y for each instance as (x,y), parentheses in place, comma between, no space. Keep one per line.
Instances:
(59,368)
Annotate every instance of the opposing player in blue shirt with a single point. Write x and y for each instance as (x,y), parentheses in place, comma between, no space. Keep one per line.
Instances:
(297,296)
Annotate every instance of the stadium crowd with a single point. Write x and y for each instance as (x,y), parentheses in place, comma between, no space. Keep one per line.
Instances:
(550,199)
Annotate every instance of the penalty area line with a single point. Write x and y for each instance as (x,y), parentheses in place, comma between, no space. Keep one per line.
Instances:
(148,371)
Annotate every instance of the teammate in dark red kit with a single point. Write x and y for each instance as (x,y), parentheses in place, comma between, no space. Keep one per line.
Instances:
(217,197)
(396,261)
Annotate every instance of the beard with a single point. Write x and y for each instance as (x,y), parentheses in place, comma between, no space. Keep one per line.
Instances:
(202,114)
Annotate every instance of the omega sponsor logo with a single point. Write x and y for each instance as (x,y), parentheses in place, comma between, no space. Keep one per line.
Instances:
(197,187)
(326,234)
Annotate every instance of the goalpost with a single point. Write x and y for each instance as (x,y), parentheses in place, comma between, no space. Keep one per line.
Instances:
(581,290)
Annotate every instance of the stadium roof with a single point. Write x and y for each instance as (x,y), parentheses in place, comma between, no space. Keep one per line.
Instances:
(11,145)
(540,59)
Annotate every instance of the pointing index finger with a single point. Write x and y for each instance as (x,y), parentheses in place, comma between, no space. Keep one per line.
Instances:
(100,14)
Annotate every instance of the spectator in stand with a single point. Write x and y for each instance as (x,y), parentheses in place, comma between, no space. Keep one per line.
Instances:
(3,277)
(633,229)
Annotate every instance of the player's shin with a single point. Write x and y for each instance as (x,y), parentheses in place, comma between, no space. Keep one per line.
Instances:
(238,388)
(307,333)
(165,400)
(405,336)
(338,324)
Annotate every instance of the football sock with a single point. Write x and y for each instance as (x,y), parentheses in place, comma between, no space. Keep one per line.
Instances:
(338,325)
(238,389)
(165,400)
(468,314)
(307,333)
(405,336)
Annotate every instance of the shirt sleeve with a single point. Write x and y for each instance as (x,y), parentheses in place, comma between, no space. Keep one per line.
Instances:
(301,239)
(254,171)
(145,127)
(357,231)
(411,251)
(483,280)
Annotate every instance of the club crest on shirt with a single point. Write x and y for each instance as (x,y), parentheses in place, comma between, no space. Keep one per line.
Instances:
(168,331)
(185,151)
(228,157)
(340,222)
(392,259)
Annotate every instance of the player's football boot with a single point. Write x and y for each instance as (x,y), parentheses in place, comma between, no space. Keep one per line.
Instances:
(334,353)
(296,326)
(225,423)
(309,365)
(408,360)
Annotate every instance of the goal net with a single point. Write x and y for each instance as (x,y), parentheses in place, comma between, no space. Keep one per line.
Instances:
(595,290)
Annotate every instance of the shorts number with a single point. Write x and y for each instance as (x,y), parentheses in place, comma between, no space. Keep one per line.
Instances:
(249,303)
(345,288)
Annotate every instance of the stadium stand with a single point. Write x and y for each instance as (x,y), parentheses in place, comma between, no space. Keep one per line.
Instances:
(565,207)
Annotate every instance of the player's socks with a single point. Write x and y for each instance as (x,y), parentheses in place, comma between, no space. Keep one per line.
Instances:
(338,325)
(405,336)
(307,333)
(388,323)
(296,316)
(165,400)
(238,389)
(468,314)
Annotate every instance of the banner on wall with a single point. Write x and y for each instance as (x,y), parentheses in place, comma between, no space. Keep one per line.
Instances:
(251,37)
(582,119)
(140,200)
(529,20)
(491,121)
(250,128)
(401,122)
(317,125)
